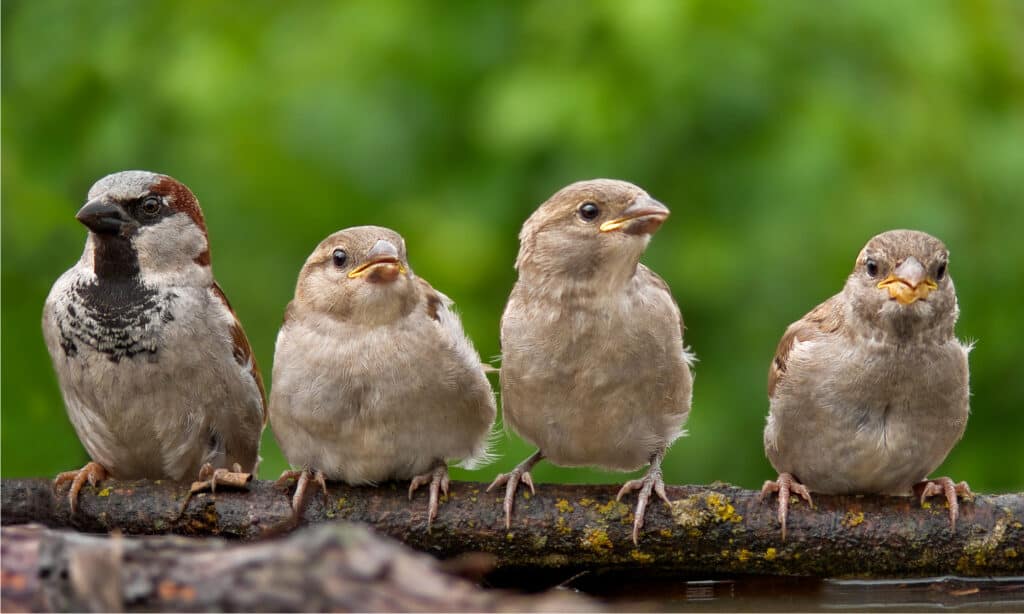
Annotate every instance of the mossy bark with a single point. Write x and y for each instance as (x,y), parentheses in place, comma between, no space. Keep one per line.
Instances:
(707,529)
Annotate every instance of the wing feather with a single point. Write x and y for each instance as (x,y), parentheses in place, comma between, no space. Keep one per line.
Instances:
(825,319)
(242,351)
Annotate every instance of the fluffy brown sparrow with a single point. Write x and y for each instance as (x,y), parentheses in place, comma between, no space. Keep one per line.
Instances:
(869,390)
(157,375)
(374,378)
(593,370)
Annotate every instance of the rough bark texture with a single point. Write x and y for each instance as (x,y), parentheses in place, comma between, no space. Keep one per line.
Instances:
(332,567)
(708,529)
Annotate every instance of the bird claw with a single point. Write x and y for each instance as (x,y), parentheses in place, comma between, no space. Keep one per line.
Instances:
(652,482)
(439,483)
(92,472)
(288,474)
(946,486)
(301,483)
(523,477)
(527,479)
(511,481)
(628,487)
(785,484)
(209,478)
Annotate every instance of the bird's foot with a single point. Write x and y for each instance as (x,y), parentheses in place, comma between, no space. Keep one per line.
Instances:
(287,474)
(785,484)
(93,472)
(438,480)
(650,482)
(302,482)
(209,478)
(946,486)
(511,481)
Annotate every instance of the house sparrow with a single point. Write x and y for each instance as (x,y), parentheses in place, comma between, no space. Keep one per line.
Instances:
(593,371)
(374,378)
(869,390)
(156,373)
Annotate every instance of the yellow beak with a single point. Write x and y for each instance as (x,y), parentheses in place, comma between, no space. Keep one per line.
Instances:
(383,261)
(368,267)
(909,282)
(904,292)
(647,213)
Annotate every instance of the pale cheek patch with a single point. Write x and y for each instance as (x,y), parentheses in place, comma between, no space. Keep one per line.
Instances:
(169,248)
(168,251)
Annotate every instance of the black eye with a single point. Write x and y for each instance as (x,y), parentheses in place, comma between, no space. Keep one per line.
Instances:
(941,272)
(872,267)
(151,205)
(340,257)
(589,211)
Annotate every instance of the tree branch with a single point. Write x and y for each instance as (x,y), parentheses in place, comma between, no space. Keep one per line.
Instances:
(329,568)
(709,529)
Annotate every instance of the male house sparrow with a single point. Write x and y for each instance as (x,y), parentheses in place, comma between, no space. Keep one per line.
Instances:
(869,390)
(593,366)
(374,378)
(156,373)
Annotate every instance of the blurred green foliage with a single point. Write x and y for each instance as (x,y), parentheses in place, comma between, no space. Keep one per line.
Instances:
(783,135)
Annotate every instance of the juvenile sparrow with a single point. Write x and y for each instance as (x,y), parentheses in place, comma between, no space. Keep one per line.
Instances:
(374,378)
(156,373)
(869,391)
(593,370)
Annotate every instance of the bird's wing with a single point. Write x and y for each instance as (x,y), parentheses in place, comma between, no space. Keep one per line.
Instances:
(439,308)
(458,357)
(242,351)
(647,275)
(824,319)
(438,305)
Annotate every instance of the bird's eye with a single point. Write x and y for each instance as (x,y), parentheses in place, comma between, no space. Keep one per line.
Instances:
(872,267)
(589,211)
(151,205)
(941,272)
(340,257)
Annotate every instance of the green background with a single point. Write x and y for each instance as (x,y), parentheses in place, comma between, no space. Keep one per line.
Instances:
(782,135)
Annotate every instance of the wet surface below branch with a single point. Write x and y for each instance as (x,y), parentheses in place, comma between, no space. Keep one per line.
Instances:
(789,594)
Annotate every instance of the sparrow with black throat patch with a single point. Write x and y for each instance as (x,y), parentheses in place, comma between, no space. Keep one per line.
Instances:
(869,391)
(374,378)
(593,372)
(155,370)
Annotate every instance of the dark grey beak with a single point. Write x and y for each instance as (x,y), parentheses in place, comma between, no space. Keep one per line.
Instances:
(382,250)
(102,217)
(911,272)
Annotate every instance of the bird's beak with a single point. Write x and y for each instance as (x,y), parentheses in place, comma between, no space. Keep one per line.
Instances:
(909,282)
(382,264)
(102,217)
(643,217)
